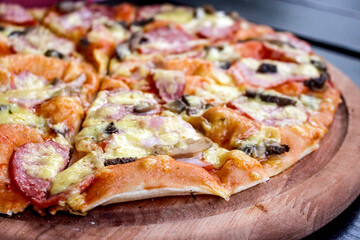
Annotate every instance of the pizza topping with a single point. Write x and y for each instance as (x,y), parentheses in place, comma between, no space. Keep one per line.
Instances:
(170,84)
(122,160)
(267,68)
(189,103)
(14,13)
(111,128)
(68,6)
(269,113)
(54,53)
(264,143)
(317,84)
(167,39)
(319,65)
(142,23)
(276,150)
(34,166)
(144,107)
(18,33)
(245,70)
(78,172)
(41,41)
(278,100)
(192,148)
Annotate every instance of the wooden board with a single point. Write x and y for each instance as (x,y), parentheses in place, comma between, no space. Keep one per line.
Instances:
(291,205)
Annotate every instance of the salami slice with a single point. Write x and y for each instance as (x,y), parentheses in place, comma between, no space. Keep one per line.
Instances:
(16,14)
(33,167)
(166,39)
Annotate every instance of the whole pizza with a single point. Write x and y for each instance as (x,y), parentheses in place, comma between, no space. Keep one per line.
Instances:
(106,104)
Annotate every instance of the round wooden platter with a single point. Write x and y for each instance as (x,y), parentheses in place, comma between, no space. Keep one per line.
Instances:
(291,205)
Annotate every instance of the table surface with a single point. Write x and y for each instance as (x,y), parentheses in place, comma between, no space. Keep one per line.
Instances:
(332,27)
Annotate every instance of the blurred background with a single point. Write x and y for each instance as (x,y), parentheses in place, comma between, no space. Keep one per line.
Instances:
(333,29)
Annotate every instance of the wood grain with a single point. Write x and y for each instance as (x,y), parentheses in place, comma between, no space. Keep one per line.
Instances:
(291,205)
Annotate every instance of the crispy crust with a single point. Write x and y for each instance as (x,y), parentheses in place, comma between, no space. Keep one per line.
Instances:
(302,140)
(65,110)
(152,176)
(241,172)
(11,137)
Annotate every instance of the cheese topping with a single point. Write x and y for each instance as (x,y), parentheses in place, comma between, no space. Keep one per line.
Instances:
(76,172)
(44,163)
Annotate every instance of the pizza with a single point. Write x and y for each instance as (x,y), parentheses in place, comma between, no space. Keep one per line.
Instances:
(107,104)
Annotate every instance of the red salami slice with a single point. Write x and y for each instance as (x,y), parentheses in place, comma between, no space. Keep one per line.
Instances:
(33,167)
(15,14)
(167,39)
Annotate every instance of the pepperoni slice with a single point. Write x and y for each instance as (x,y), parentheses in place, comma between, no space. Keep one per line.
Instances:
(33,167)
(16,14)
(166,39)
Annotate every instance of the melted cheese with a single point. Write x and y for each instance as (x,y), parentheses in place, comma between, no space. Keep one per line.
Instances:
(178,15)
(212,92)
(76,172)
(44,163)
(270,113)
(12,113)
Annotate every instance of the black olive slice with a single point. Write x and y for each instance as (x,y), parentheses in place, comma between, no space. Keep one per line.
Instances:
(319,65)
(111,128)
(53,53)
(317,83)
(142,23)
(276,150)
(280,101)
(225,65)
(2,28)
(267,68)
(122,160)
(18,33)
(144,107)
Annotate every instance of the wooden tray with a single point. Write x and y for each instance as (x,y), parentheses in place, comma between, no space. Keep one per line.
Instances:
(291,205)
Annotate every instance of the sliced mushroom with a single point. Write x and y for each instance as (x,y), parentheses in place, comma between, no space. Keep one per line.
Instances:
(144,107)
(193,147)
(68,6)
